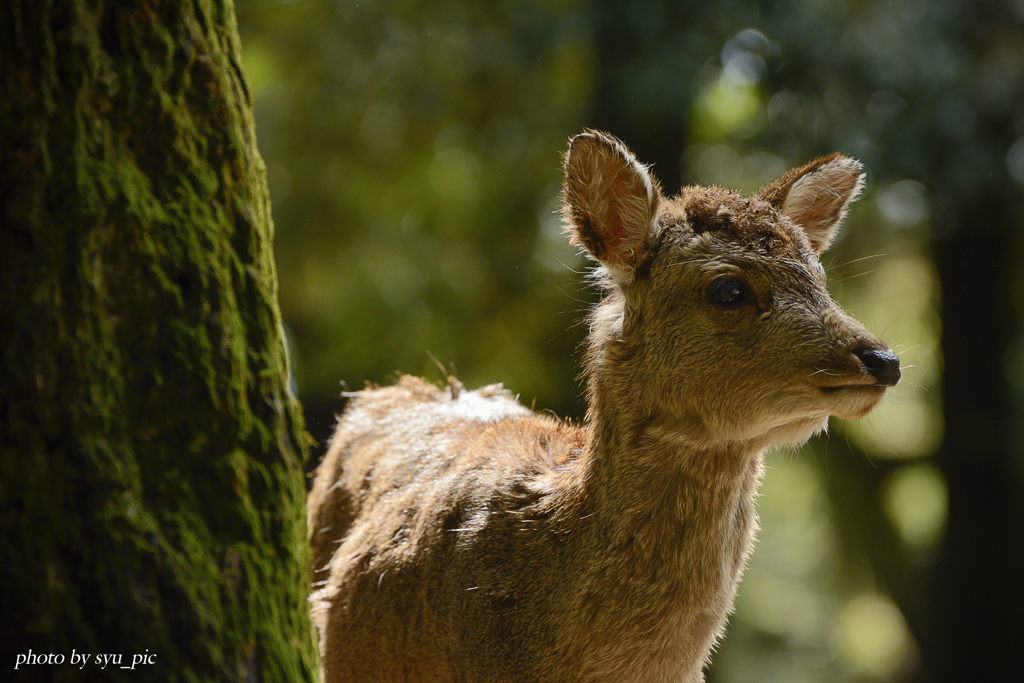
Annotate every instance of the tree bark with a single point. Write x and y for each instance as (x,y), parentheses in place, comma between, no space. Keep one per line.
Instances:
(151,490)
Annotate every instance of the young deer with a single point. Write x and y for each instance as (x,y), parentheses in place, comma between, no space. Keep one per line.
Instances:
(459,537)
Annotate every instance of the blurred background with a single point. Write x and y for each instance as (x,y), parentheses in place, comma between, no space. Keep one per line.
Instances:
(413,153)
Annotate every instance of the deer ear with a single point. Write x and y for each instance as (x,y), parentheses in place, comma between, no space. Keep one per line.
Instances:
(610,202)
(816,196)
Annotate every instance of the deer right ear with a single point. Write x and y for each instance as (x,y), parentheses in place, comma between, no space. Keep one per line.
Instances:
(610,202)
(816,196)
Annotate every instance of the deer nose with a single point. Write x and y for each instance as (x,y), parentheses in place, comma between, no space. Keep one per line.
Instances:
(883,364)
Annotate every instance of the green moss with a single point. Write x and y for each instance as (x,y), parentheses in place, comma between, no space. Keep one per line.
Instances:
(151,475)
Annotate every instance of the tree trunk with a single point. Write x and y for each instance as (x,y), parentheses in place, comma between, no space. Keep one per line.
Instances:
(975,625)
(151,488)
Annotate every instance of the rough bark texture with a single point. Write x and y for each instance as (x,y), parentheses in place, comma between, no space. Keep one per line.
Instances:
(151,458)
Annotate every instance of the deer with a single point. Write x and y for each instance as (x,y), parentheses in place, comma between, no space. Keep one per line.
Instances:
(459,537)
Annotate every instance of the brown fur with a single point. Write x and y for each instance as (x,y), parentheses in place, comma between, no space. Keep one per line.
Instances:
(459,537)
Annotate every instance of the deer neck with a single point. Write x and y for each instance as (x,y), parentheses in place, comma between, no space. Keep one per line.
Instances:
(655,487)
(664,530)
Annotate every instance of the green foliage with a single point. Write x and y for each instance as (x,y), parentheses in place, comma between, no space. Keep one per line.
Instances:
(413,155)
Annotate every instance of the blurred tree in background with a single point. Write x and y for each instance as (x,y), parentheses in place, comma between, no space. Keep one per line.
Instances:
(413,158)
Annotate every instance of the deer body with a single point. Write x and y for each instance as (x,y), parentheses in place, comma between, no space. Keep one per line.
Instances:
(459,537)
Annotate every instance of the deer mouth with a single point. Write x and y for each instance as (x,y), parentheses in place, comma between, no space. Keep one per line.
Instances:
(868,368)
(855,386)
(850,400)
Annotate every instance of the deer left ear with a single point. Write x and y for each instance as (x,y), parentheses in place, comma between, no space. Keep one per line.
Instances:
(816,196)
(610,202)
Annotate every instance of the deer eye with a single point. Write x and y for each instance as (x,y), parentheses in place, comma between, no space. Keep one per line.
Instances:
(728,292)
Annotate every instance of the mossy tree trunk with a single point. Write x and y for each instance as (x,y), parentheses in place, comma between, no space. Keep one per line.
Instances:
(151,487)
